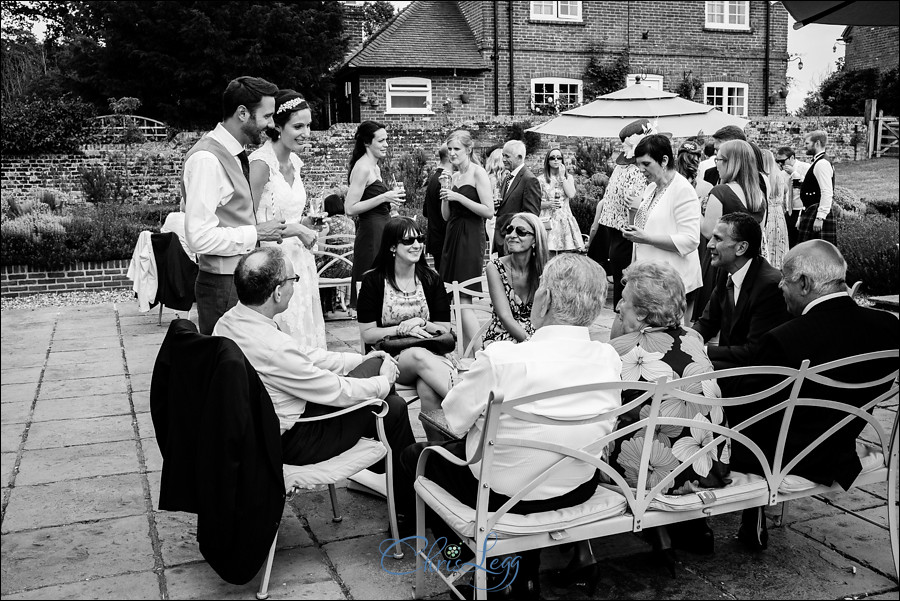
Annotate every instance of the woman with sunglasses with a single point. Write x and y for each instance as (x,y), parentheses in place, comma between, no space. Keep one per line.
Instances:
(557,188)
(514,278)
(402,295)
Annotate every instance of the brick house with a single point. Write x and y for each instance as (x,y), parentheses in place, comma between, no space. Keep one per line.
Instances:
(484,57)
(871,47)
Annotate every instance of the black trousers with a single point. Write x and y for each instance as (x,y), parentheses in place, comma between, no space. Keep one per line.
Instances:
(791,219)
(620,251)
(215,294)
(459,481)
(307,443)
(599,248)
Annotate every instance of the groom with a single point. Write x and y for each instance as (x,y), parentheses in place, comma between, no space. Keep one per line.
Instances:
(220,222)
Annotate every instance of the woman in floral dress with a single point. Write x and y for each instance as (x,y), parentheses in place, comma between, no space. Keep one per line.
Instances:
(557,188)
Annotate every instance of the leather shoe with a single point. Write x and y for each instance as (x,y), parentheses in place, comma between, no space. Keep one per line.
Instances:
(753,533)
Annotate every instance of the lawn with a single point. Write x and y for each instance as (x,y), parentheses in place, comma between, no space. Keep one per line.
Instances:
(871,179)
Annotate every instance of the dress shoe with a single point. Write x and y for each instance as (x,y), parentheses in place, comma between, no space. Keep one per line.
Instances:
(753,533)
(693,536)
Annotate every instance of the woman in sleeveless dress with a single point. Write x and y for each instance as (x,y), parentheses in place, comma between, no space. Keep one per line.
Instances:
(275,181)
(557,188)
(465,207)
(739,190)
(368,198)
(514,278)
(776,232)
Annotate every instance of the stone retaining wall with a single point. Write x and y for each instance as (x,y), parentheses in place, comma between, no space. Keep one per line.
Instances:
(18,280)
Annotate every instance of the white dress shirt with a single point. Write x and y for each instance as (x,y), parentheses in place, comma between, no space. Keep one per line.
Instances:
(824,172)
(556,356)
(207,187)
(294,375)
(738,277)
(801,168)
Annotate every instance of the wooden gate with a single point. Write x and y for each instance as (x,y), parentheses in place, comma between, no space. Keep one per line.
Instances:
(884,133)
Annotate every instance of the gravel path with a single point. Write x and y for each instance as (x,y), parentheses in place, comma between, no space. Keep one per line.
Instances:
(67,299)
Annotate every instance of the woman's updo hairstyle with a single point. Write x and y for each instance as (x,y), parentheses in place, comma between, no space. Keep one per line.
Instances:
(287,102)
(365,133)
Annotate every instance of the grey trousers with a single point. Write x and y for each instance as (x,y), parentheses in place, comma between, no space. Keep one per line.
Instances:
(215,294)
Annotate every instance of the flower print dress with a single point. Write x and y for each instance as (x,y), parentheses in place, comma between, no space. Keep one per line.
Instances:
(674,352)
(303,318)
(564,232)
(521,311)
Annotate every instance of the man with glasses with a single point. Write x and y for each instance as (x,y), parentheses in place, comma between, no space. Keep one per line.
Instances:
(796,169)
(828,325)
(307,381)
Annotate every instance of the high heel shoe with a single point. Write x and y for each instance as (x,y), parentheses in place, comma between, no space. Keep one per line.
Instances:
(580,576)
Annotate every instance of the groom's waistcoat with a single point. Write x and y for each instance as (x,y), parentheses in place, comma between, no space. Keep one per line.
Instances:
(236,212)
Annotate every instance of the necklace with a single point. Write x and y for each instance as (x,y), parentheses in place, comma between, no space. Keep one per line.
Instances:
(405,286)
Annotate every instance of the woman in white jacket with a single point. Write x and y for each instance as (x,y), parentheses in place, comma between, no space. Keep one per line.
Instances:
(667,225)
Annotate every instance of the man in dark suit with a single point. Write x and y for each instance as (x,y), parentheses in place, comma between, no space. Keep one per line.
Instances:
(748,302)
(520,191)
(828,325)
(431,208)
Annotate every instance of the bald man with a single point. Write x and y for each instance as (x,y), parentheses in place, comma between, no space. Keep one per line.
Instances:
(828,325)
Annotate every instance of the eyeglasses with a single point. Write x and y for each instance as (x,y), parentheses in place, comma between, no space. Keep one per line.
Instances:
(781,161)
(520,231)
(720,160)
(554,158)
(412,239)
(293,278)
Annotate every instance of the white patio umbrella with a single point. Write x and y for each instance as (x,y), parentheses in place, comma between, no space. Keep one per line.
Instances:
(606,116)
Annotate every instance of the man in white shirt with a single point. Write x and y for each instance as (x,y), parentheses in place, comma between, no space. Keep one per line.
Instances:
(796,169)
(560,353)
(307,381)
(817,193)
(220,223)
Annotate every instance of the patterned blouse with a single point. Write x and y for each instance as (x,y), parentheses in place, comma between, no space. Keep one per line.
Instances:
(625,181)
(399,306)
(521,311)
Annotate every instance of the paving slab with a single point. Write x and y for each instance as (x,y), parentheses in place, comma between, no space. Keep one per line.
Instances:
(140,381)
(7,463)
(879,490)
(31,358)
(145,425)
(28,375)
(11,437)
(363,514)
(84,356)
(76,312)
(879,515)
(70,501)
(153,479)
(84,371)
(94,342)
(140,400)
(81,407)
(834,503)
(83,387)
(18,393)
(299,573)
(143,585)
(141,358)
(53,465)
(74,552)
(15,413)
(85,431)
(152,456)
(86,329)
(853,536)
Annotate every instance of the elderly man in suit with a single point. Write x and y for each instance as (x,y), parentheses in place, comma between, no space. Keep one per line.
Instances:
(748,302)
(828,326)
(520,191)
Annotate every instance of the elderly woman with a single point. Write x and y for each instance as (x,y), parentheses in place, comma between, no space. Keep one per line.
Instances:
(650,339)
(667,225)
(402,295)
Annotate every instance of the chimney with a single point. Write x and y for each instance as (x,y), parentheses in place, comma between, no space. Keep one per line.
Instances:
(353,25)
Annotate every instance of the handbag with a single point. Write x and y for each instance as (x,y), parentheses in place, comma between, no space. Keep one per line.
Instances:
(439,344)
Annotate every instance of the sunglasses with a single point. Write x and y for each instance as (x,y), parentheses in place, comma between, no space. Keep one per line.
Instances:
(781,161)
(413,239)
(554,158)
(293,278)
(519,230)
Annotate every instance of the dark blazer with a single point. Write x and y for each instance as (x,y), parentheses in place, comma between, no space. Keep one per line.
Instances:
(176,273)
(522,196)
(832,330)
(431,209)
(221,448)
(760,308)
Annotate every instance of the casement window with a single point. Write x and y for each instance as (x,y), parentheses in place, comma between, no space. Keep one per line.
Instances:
(558,92)
(556,11)
(728,15)
(409,96)
(727,96)
(652,81)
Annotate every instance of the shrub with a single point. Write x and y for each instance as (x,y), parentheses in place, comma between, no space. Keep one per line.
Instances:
(869,246)
(45,124)
(888,207)
(100,186)
(592,157)
(583,210)
(848,201)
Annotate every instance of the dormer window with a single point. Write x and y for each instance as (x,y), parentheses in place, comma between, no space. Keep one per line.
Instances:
(556,11)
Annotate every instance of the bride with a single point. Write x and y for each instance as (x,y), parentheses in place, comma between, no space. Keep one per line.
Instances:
(275,182)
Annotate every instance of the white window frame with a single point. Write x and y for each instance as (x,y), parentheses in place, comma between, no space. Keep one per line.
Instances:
(407,87)
(556,16)
(728,88)
(743,10)
(556,81)
(648,79)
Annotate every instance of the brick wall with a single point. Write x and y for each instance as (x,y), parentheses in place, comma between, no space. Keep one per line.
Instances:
(870,47)
(17,280)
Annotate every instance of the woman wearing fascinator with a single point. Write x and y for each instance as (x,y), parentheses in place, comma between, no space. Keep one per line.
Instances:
(275,181)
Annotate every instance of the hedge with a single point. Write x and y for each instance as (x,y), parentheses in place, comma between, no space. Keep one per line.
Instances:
(869,245)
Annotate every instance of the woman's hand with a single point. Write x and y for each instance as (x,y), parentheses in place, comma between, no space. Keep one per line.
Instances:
(634,235)
(395,196)
(308,237)
(414,326)
(451,196)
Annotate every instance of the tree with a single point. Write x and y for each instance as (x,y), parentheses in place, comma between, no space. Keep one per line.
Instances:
(376,15)
(845,92)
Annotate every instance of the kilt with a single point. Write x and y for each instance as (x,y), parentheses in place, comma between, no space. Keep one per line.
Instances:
(805,229)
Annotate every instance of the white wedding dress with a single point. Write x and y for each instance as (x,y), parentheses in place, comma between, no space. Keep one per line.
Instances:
(303,318)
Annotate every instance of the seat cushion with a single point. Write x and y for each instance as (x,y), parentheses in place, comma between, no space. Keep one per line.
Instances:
(870,457)
(604,504)
(362,455)
(742,487)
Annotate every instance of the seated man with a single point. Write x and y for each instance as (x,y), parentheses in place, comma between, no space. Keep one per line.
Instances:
(309,382)
(828,326)
(746,304)
(560,353)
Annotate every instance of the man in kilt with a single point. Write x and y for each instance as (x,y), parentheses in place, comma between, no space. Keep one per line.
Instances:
(817,193)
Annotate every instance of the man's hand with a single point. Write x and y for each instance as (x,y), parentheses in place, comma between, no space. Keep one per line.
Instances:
(817,225)
(389,369)
(270,231)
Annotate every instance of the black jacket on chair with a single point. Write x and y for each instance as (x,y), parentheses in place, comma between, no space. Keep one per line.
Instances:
(221,447)
(176,273)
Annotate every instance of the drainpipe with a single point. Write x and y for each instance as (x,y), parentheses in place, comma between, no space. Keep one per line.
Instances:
(496,59)
(766,66)
(512,79)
